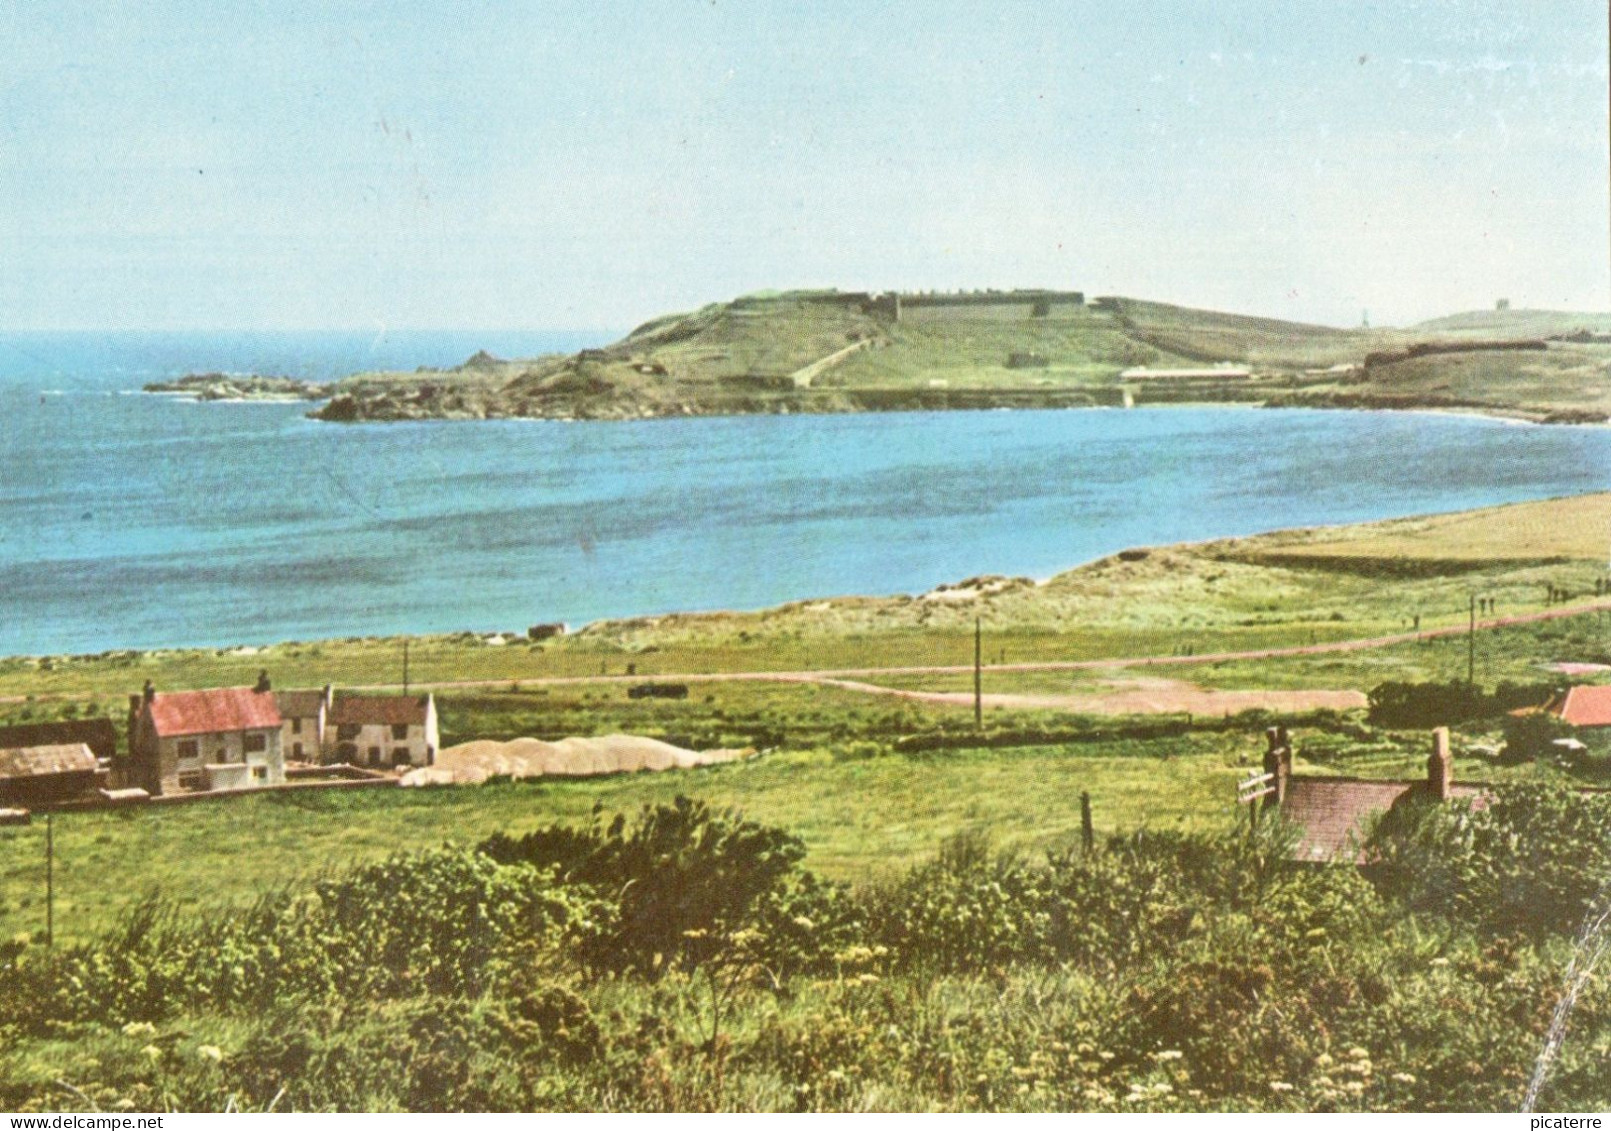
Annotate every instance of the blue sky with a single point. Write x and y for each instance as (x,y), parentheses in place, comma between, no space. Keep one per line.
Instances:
(579,165)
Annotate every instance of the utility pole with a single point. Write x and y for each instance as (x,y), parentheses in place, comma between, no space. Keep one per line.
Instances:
(1471,645)
(50,882)
(405,665)
(978,678)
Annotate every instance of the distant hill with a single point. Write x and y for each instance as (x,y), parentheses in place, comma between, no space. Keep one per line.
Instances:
(832,351)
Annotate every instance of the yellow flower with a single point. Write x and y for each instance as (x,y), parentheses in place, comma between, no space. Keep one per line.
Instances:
(139,1029)
(1168,1054)
(1280,1086)
(210,1052)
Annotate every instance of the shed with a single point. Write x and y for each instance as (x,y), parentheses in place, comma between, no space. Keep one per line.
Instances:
(44,774)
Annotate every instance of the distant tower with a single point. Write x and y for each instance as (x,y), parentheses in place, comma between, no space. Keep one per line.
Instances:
(1502,304)
(1364,320)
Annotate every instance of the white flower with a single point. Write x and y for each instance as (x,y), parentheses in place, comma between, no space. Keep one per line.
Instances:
(1168,1054)
(210,1052)
(139,1029)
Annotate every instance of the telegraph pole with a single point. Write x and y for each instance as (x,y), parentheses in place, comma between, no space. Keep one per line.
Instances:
(50,882)
(978,678)
(405,665)
(1471,645)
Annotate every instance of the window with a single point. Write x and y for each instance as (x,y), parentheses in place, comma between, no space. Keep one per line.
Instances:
(346,732)
(296,726)
(374,755)
(259,773)
(256,743)
(188,748)
(399,732)
(191,781)
(296,750)
(400,756)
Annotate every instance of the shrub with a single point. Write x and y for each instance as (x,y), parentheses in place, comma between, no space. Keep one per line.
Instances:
(682,881)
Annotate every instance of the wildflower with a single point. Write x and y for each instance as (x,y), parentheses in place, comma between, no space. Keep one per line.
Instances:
(803,923)
(1439,962)
(1105,1055)
(1324,1060)
(1354,1087)
(1162,1088)
(1404,1077)
(1085,1047)
(139,1029)
(1358,1053)
(867,979)
(1168,1054)
(1280,1086)
(152,1051)
(210,1052)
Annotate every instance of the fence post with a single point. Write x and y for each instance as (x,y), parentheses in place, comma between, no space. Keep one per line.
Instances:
(1087,830)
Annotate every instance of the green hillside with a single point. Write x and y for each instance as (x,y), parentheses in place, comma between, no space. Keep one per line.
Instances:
(831,351)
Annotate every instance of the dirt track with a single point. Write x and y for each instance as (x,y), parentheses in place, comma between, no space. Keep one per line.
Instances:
(1180,696)
(1135,697)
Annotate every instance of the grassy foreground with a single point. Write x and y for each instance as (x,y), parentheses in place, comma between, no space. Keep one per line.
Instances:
(861,817)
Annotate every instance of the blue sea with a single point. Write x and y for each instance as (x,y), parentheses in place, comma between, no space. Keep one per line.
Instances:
(138,521)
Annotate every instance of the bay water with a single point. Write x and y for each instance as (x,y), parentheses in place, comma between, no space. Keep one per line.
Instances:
(139,521)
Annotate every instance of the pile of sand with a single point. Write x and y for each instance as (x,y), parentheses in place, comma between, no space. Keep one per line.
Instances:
(474,762)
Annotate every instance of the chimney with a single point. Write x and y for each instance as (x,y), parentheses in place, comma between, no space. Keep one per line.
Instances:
(263,686)
(1440,766)
(149,692)
(1277,761)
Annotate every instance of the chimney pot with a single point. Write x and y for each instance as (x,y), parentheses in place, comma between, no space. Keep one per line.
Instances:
(149,692)
(263,685)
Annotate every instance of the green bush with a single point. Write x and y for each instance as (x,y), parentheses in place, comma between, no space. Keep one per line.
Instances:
(683,881)
(1533,860)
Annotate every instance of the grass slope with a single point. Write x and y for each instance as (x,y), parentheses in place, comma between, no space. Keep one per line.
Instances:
(743,356)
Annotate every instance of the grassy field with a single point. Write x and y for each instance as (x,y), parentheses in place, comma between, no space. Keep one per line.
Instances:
(862,817)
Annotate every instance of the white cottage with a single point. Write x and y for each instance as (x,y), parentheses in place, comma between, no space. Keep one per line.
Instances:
(218,738)
(382,730)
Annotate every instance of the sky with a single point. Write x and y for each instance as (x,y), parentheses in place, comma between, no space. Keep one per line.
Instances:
(464,164)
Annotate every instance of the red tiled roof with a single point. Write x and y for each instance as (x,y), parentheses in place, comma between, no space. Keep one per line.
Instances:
(1330,811)
(1585,706)
(388,710)
(213,711)
(39,761)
